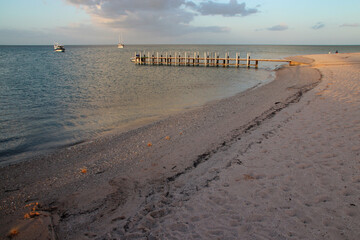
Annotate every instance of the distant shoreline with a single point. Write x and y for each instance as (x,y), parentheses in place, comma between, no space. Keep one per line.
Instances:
(145,44)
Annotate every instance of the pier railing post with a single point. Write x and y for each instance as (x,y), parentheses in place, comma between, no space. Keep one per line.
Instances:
(228,61)
(247,60)
(236,60)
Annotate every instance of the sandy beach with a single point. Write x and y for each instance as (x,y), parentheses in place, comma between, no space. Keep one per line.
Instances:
(280,161)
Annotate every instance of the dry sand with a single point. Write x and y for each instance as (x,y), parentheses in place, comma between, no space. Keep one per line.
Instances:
(269,163)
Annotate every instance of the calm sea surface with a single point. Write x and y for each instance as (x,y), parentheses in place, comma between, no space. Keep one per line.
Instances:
(50,100)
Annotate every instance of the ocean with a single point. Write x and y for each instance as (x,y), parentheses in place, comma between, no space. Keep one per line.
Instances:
(50,100)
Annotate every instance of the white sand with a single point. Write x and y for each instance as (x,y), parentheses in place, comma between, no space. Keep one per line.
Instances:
(259,165)
(295,177)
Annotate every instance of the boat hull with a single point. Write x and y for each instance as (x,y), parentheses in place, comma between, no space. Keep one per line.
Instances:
(59,47)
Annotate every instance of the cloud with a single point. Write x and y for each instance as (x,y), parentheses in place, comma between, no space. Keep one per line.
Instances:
(350,25)
(164,17)
(75,33)
(318,26)
(233,8)
(280,27)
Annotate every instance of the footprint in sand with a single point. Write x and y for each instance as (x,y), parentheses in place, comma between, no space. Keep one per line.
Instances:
(355,149)
(347,192)
(322,199)
(330,155)
(356,179)
(351,212)
(195,219)
(180,227)
(255,218)
(216,233)
(290,212)
(304,165)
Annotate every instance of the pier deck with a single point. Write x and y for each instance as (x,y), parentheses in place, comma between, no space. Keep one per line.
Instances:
(207,60)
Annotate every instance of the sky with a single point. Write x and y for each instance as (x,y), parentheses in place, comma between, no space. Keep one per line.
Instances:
(306,22)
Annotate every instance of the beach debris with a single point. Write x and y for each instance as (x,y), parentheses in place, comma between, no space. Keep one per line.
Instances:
(13,232)
(33,210)
(31,214)
(149,144)
(32,204)
(167,138)
(248,177)
(83,170)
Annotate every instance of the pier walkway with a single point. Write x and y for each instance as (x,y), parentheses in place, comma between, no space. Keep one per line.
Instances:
(206,60)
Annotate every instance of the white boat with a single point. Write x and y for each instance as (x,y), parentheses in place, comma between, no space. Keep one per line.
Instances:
(120,44)
(135,59)
(59,47)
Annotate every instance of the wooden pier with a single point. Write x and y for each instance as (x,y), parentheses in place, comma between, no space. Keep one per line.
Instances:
(194,59)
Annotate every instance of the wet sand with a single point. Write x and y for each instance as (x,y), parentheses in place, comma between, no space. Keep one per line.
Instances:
(280,161)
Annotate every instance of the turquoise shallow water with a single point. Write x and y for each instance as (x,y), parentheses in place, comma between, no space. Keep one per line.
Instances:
(50,100)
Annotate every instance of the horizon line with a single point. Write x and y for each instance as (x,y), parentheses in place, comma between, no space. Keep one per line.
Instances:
(212,44)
